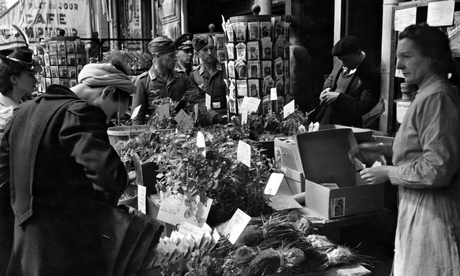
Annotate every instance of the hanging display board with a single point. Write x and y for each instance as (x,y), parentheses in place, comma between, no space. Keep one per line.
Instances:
(255,53)
(62,59)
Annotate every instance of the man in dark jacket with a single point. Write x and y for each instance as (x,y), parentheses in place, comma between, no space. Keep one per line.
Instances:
(161,81)
(353,87)
(209,78)
(55,159)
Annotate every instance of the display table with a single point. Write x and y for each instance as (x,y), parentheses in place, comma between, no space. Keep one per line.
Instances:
(331,227)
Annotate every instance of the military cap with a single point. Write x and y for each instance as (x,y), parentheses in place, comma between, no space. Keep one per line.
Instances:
(200,41)
(345,46)
(161,45)
(184,42)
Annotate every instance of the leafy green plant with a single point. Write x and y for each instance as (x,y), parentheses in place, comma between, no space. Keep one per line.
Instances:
(183,168)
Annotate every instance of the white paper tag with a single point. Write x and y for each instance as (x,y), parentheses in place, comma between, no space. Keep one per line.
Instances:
(244,117)
(186,228)
(141,199)
(175,209)
(273,94)
(244,153)
(208,101)
(200,142)
(135,111)
(236,225)
(162,111)
(288,109)
(274,183)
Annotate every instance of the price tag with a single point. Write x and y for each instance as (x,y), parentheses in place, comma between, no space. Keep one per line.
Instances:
(236,225)
(135,111)
(200,142)
(252,104)
(273,94)
(162,111)
(288,109)
(274,183)
(141,199)
(184,120)
(244,153)
(186,228)
(196,109)
(244,117)
(176,209)
(440,13)
(208,101)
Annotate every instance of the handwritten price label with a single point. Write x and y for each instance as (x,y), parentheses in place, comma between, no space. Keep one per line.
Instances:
(176,209)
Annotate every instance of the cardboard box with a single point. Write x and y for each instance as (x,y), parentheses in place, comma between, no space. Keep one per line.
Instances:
(341,202)
(294,180)
(287,153)
(361,134)
(333,188)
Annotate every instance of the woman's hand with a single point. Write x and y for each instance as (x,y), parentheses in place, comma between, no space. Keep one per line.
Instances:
(375,175)
(328,96)
(368,153)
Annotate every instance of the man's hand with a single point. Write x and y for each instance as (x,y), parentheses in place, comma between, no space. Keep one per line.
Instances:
(328,96)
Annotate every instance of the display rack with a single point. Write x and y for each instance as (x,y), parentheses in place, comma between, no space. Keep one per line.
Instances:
(62,59)
(255,50)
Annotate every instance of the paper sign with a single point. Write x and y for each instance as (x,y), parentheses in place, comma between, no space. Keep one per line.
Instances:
(200,142)
(236,225)
(176,209)
(208,101)
(184,120)
(289,108)
(273,94)
(162,111)
(186,228)
(273,183)
(404,18)
(252,104)
(244,117)
(196,109)
(440,13)
(141,197)
(244,153)
(135,111)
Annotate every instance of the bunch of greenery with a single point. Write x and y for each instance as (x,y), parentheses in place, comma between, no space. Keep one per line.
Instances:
(214,172)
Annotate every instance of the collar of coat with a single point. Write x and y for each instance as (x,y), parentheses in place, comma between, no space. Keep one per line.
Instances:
(153,73)
(202,69)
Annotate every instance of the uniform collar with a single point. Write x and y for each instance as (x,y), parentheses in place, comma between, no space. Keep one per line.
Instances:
(203,69)
(153,73)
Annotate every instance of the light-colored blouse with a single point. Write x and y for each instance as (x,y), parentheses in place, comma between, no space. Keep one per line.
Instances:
(6,112)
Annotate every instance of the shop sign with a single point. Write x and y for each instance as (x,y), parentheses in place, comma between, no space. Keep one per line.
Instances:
(43,19)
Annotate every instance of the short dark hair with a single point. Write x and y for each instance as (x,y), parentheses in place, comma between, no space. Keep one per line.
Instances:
(432,43)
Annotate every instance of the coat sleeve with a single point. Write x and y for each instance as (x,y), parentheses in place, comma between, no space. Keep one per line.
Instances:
(140,98)
(362,100)
(192,93)
(6,212)
(84,137)
(436,121)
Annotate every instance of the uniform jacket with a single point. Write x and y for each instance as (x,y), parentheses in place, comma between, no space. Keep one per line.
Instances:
(178,87)
(54,156)
(360,96)
(213,85)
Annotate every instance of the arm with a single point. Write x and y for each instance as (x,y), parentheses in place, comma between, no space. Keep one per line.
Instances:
(83,136)
(436,121)
(192,93)
(140,98)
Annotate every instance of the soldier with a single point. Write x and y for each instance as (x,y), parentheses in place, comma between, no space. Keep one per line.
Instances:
(184,53)
(209,77)
(162,81)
